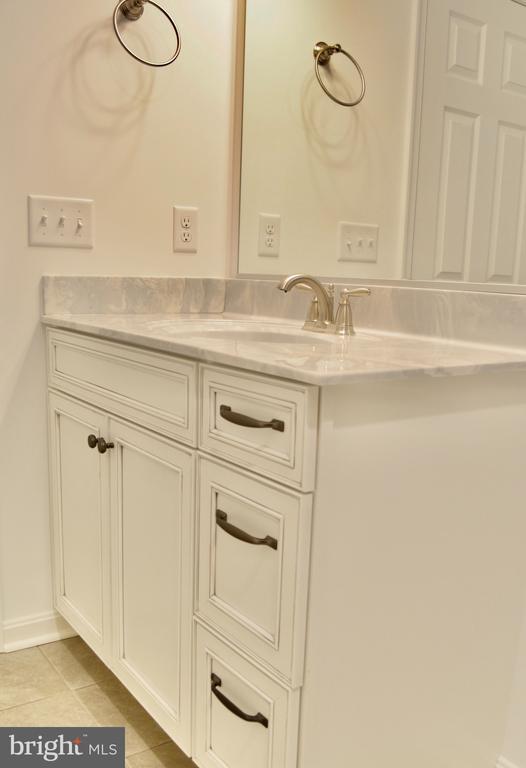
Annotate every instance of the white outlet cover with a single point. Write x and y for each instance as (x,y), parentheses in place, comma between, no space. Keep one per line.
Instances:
(185,229)
(269,234)
(358,242)
(63,222)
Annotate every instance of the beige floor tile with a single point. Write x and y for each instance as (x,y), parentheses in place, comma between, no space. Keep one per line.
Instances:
(62,710)
(165,756)
(26,676)
(76,662)
(111,704)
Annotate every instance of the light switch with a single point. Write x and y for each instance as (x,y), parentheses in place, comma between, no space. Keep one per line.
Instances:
(358,242)
(65,222)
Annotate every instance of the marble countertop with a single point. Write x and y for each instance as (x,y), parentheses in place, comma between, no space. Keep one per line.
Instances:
(281,348)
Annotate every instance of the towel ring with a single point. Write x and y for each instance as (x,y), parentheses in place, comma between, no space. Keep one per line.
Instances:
(322,56)
(133,10)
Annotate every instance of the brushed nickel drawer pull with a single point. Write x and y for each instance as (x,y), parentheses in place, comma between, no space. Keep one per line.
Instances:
(259,718)
(241,420)
(237,533)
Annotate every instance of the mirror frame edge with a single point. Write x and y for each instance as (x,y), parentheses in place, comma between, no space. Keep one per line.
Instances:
(236,146)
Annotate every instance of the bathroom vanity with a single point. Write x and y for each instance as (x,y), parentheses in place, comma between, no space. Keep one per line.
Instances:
(312,557)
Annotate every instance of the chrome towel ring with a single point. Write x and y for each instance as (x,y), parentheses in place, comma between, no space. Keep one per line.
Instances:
(322,56)
(133,10)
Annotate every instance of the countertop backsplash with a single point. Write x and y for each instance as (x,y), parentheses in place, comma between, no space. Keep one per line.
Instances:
(466,316)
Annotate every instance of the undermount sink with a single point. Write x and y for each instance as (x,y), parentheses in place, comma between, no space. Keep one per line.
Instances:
(269,337)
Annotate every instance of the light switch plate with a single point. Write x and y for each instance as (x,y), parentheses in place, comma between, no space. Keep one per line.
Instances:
(358,242)
(65,222)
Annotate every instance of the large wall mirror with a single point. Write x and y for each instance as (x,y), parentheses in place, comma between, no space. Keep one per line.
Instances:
(425,179)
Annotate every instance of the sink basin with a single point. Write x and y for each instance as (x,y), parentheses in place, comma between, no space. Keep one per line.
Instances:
(269,337)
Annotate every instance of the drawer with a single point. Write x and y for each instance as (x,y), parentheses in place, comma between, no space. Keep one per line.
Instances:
(264,424)
(228,688)
(253,564)
(150,388)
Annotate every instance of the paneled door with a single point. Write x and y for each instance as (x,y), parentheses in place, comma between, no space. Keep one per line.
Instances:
(80,492)
(152,550)
(471,186)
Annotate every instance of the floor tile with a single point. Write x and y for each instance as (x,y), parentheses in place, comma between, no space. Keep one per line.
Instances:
(76,662)
(111,704)
(62,710)
(164,756)
(26,676)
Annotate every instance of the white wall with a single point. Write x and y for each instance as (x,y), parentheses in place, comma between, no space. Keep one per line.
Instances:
(316,163)
(514,750)
(81,118)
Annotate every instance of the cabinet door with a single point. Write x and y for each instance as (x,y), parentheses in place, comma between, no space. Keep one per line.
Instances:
(80,515)
(152,502)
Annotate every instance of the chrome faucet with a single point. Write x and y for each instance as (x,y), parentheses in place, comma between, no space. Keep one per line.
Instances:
(321,312)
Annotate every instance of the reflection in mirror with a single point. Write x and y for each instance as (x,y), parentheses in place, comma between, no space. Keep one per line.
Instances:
(425,179)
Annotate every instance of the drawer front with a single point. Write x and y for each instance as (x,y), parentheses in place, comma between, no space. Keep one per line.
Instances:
(153,389)
(227,688)
(253,564)
(266,425)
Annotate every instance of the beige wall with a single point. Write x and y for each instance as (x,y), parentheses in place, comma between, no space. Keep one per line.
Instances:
(316,163)
(82,118)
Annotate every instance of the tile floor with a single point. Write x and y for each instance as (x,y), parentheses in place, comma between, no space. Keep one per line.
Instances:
(65,684)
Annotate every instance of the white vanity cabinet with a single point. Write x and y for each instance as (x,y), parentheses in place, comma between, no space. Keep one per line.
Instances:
(123,518)
(289,576)
(178,550)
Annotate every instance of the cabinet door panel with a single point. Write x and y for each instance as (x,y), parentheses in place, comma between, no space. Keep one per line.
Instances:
(152,513)
(80,492)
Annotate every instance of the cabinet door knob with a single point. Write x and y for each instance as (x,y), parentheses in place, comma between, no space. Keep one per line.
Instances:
(99,443)
(103,446)
(93,441)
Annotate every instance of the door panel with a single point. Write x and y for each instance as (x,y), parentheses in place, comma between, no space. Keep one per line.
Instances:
(152,497)
(80,488)
(471,188)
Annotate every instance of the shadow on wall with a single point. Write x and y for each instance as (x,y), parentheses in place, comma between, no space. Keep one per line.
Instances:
(334,133)
(339,138)
(103,92)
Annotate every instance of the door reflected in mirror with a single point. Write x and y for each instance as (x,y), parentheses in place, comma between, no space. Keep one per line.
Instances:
(423,179)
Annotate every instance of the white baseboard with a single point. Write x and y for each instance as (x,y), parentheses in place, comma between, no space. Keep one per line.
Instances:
(33,630)
(503,763)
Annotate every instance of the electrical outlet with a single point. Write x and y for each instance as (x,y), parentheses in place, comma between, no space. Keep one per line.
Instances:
(185,229)
(60,221)
(269,239)
(358,242)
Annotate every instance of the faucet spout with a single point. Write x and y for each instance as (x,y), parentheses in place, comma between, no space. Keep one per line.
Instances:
(325,301)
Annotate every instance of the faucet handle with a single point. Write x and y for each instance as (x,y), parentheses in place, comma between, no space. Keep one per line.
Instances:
(357,292)
(343,323)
